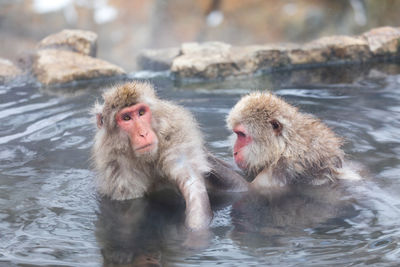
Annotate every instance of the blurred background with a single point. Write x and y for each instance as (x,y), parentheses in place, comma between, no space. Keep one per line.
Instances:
(126,27)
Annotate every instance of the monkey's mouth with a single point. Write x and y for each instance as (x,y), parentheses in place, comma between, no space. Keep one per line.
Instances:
(240,162)
(144,148)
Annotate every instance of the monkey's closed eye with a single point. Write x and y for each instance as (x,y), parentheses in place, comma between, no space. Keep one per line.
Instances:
(141,112)
(240,134)
(126,117)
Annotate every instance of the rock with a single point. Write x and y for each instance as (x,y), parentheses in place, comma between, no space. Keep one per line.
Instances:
(250,59)
(60,66)
(157,59)
(383,41)
(219,60)
(84,42)
(8,71)
(333,49)
(205,49)
(67,56)
(209,60)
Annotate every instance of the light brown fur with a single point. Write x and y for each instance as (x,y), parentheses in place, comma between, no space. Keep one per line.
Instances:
(302,150)
(179,160)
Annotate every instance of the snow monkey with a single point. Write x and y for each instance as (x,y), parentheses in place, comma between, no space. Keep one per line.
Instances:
(144,143)
(280,146)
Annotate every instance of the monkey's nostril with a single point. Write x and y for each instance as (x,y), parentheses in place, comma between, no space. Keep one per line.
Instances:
(143,134)
(235,153)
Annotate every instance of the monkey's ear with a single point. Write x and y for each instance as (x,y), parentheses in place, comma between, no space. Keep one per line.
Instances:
(99,120)
(276,126)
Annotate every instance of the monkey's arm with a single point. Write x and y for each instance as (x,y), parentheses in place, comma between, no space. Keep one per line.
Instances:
(198,210)
(222,177)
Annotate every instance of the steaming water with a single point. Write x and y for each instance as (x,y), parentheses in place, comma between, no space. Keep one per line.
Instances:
(50,213)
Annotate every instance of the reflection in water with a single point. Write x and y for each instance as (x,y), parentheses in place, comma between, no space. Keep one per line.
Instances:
(50,215)
(290,212)
(130,231)
(135,232)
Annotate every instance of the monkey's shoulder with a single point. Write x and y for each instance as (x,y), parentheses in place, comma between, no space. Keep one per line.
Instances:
(172,111)
(175,122)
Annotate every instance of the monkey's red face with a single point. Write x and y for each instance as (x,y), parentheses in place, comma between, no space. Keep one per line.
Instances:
(243,139)
(136,122)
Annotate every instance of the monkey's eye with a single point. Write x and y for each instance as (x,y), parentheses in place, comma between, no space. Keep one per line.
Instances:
(141,112)
(275,124)
(126,117)
(240,134)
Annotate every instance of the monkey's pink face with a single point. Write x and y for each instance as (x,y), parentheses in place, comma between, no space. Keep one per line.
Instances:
(243,139)
(136,122)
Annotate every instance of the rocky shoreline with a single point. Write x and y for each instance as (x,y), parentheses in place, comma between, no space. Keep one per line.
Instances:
(69,56)
(216,60)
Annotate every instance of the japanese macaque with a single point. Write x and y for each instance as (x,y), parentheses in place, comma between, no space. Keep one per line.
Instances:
(288,154)
(280,146)
(144,143)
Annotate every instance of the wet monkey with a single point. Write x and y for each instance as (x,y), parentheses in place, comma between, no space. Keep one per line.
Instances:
(279,145)
(144,143)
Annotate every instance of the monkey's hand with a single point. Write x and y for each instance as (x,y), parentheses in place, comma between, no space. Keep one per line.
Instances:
(222,177)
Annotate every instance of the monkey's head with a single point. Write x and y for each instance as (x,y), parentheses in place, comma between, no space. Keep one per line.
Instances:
(126,117)
(262,124)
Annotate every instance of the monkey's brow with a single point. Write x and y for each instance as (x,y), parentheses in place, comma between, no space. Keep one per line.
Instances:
(123,105)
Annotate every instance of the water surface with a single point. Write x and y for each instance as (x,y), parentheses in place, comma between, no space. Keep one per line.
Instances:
(50,213)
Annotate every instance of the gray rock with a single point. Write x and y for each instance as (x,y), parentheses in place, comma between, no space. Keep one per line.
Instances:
(8,71)
(84,42)
(53,66)
(383,41)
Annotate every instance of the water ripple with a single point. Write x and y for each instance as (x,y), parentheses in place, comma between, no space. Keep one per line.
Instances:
(26,108)
(313,93)
(39,125)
